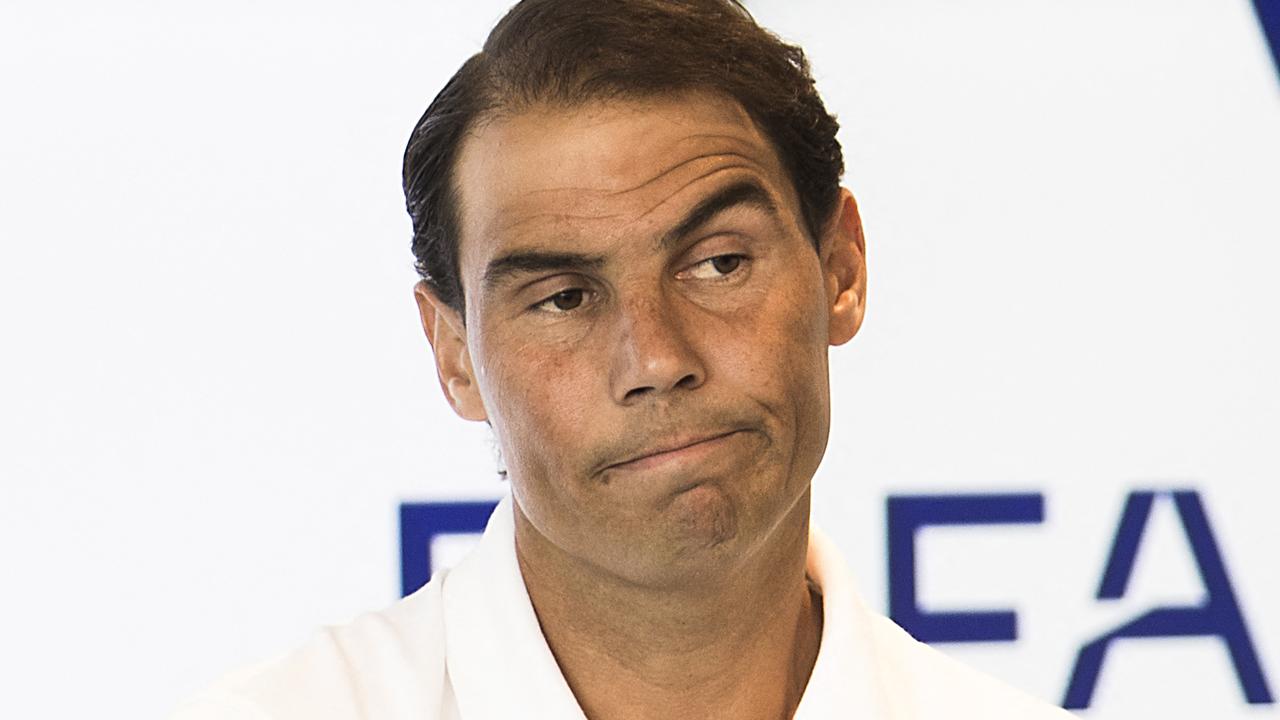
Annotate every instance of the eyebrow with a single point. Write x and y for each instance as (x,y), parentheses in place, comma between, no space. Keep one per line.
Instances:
(743,193)
(501,269)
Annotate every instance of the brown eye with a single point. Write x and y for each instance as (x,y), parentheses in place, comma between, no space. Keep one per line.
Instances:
(716,268)
(567,299)
(725,264)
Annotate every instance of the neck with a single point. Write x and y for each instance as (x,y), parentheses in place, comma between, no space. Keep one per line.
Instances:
(742,647)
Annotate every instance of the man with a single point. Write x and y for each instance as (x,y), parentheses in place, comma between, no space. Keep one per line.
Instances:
(635,254)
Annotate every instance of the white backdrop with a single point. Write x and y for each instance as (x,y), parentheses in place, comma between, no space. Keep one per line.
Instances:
(214,393)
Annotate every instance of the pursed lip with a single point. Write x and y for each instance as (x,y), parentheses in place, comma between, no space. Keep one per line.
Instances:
(671,446)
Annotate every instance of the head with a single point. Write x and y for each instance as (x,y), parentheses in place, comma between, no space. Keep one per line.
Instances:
(632,238)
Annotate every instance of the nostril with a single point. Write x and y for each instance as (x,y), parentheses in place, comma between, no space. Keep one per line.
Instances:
(635,393)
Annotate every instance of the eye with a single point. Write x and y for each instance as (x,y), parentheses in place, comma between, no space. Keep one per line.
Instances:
(725,264)
(718,267)
(563,301)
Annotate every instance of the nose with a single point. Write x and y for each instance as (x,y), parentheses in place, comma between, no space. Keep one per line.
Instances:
(654,355)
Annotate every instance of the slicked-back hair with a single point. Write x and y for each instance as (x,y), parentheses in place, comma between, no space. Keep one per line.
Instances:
(564,53)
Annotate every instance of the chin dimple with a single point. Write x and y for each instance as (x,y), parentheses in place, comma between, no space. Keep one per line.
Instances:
(705,515)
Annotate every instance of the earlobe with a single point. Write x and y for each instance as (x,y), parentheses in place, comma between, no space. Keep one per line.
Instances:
(447,336)
(845,270)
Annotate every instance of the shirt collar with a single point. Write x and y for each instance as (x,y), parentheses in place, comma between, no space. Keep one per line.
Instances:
(496,657)
(500,666)
(846,680)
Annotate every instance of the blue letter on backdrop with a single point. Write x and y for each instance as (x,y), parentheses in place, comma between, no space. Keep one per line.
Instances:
(909,513)
(1269,15)
(419,522)
(1219,615)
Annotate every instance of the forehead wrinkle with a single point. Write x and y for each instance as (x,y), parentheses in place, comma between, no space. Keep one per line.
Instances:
(749,162)
(710,155)
(555,217)
(695,181)
(744,143)
(745,163)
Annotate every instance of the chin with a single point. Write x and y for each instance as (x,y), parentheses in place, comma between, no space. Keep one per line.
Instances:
(697,539)
(702,518)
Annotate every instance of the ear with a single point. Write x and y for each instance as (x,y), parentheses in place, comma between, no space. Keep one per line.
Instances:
(844,269)
(448,337)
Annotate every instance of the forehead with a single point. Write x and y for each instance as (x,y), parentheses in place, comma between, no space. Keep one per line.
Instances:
(524,175)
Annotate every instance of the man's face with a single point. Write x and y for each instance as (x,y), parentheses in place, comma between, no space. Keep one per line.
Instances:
(638,279)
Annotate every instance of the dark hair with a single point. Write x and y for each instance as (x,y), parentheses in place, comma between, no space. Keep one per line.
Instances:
(567,52)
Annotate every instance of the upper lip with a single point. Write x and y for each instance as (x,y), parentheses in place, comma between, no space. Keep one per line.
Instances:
(677,443)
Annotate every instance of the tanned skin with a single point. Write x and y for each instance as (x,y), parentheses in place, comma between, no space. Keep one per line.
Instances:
(638,278)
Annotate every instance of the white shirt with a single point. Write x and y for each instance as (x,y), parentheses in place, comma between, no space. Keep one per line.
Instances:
(468,646)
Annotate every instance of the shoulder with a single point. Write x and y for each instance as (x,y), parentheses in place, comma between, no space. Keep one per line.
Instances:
(939,686)
(387,664)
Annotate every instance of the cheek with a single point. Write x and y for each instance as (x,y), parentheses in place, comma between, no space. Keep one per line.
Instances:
(543,411)
(779,357)
(810,379)
(782,336)
(538,398)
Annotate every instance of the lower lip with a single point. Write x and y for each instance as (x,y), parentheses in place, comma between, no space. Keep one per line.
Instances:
(685,455)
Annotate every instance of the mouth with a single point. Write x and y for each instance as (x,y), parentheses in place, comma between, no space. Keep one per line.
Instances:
(678,452)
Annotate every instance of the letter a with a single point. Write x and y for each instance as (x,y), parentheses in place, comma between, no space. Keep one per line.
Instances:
(1219,615)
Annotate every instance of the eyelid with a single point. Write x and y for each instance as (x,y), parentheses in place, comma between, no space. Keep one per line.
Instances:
(587,295)
(716,243)
(744,259)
